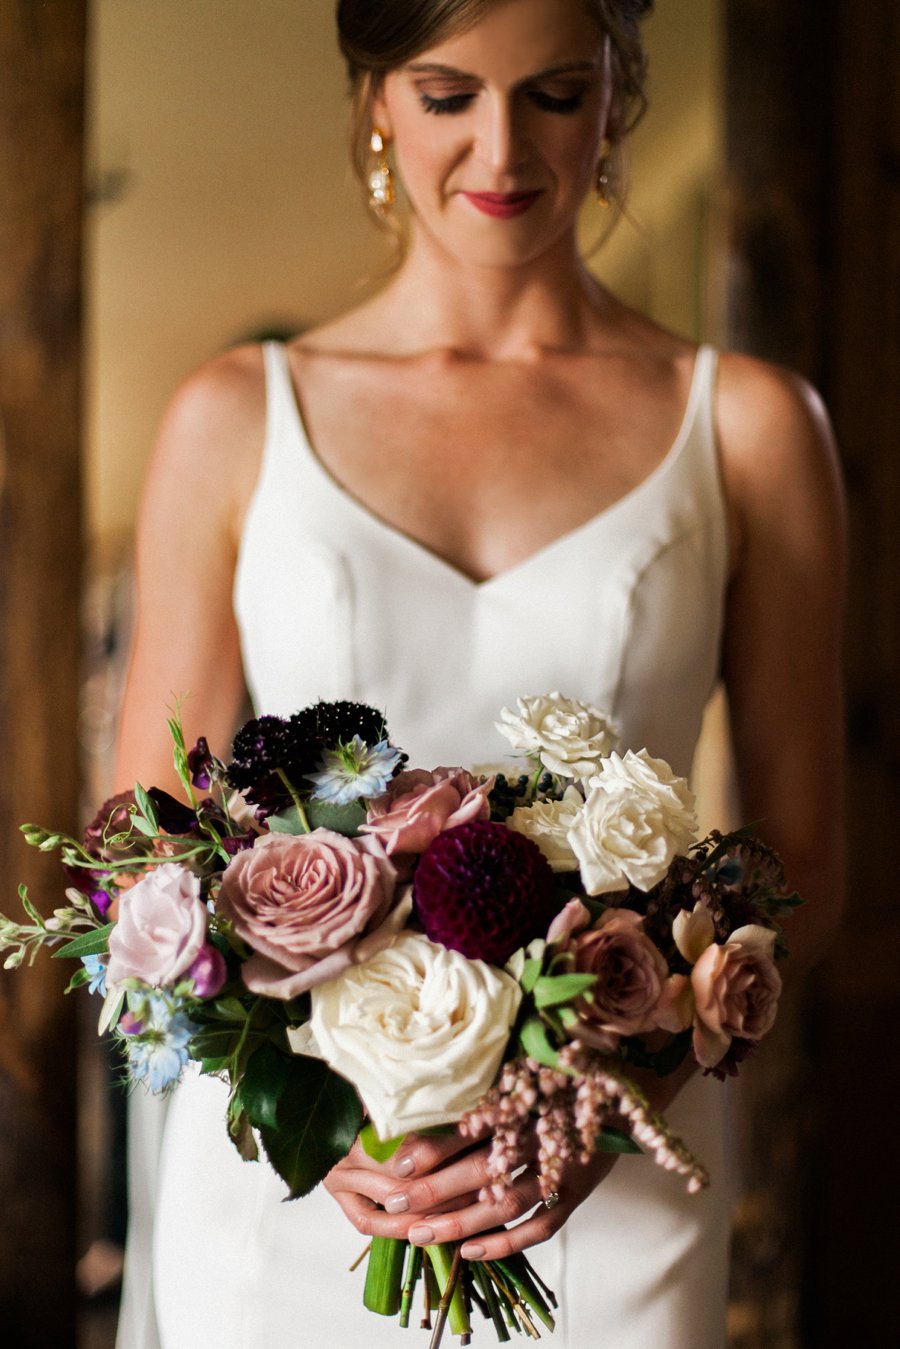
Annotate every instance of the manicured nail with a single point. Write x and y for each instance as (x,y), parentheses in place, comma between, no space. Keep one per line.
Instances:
(420,1236)
(405,1167)
(472,1251)
(396,1203)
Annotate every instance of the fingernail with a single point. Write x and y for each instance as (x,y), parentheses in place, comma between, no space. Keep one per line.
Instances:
(420,1236)
(396,1203)
(472,1252)
(405,1167)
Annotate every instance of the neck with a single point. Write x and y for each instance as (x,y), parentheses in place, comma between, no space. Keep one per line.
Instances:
(499,313)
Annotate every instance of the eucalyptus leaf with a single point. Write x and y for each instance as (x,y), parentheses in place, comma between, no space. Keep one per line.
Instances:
(93,943)
(342,819)
(319,1117)
(288,821)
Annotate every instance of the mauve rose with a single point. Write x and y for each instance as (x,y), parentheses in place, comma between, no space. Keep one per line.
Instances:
(160,927)
(736,989)
(419,805)
(630,973)
(302,902)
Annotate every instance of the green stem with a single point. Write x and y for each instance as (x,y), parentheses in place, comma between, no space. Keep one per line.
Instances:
(411,1274)
(384,1275)
(295,798)
(446,1262)
(489,1293)
(517,1273)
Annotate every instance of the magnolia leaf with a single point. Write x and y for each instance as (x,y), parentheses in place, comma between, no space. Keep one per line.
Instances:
(319,1117)
(342,819)
(265,1079)
(554,989)
(380,1150)
(93,943)
(613,1140)
(536,1043)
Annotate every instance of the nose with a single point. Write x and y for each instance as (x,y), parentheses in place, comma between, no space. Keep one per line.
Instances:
(501,143)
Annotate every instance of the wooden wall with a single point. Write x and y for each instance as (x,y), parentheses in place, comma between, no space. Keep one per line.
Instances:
(41,99)
(813,207)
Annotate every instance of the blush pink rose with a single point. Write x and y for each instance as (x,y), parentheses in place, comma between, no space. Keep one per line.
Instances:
(303,903)
(631,973)
(160,927)
(419,805)
(736,989)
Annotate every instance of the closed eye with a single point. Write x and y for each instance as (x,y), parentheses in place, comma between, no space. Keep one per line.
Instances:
(551,103)
(453,102)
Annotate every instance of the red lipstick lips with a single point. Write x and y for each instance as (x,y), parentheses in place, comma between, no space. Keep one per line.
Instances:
(502,205)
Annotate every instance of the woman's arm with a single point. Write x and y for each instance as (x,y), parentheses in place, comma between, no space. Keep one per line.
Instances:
(185,642)
(782,651)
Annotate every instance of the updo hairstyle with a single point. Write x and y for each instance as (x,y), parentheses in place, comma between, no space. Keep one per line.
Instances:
(377,36)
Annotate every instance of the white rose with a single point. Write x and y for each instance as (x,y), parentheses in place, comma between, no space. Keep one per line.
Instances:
(568,736)
(419,1030)
(637,816)
(547,823)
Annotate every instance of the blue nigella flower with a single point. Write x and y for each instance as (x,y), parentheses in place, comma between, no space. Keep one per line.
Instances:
(97,970)
(355,769)
(158,1051)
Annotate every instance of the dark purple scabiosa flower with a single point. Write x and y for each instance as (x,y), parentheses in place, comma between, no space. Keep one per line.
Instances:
(269,753)
(484,890)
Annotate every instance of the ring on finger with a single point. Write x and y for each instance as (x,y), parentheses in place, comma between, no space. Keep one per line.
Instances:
(552,1199)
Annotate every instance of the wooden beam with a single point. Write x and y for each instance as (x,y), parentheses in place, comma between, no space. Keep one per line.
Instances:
(41,152)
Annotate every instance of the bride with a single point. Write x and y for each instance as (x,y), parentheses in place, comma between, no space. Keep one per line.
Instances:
(490,479)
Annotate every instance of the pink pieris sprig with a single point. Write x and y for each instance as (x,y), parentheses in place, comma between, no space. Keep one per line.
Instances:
(359,947)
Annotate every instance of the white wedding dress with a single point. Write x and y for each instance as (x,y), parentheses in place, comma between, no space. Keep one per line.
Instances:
(624,611)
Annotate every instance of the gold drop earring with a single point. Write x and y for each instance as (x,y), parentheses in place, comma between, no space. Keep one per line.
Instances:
(601,180)
(381,179)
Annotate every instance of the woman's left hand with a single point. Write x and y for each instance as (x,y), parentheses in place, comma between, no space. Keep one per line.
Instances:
(428,1193)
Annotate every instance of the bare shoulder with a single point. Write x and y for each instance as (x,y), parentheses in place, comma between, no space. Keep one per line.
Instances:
(211,436)
(779,458)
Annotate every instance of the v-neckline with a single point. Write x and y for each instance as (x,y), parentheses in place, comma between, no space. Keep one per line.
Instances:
(540,554)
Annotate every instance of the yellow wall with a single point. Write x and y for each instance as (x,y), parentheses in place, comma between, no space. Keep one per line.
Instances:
(226,203)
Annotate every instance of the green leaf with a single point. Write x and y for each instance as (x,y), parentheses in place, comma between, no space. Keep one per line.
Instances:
(29,908)
(214,1044)
(288,821)
(79,978)
(147,809)
(554,989)
(342,819)
(662,1061)
(531,972)
(209,1067)
(380,1150)
(613,1140)
(241,1135)
(93,943)
(536,1043)
(265,1080)
(319,1116)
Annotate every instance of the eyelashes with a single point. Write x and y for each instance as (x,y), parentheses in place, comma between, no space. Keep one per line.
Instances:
(454,103)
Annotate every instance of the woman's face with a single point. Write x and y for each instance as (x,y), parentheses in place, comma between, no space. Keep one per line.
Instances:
(497,131)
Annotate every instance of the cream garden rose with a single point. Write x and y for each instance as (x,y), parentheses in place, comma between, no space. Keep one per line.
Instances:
(415,1005)
(569,737)
(547,823)
(637,816)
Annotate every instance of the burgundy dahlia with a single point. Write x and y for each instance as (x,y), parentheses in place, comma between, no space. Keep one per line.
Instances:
(484,890)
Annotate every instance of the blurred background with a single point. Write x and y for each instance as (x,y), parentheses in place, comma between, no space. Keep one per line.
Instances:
(174,178)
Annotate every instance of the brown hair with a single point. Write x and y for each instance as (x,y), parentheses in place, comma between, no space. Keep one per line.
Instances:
(377,36)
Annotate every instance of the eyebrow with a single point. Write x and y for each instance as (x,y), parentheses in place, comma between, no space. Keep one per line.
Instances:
(565,68)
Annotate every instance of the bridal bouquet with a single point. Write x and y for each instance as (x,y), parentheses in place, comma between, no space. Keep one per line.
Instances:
(362,948)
